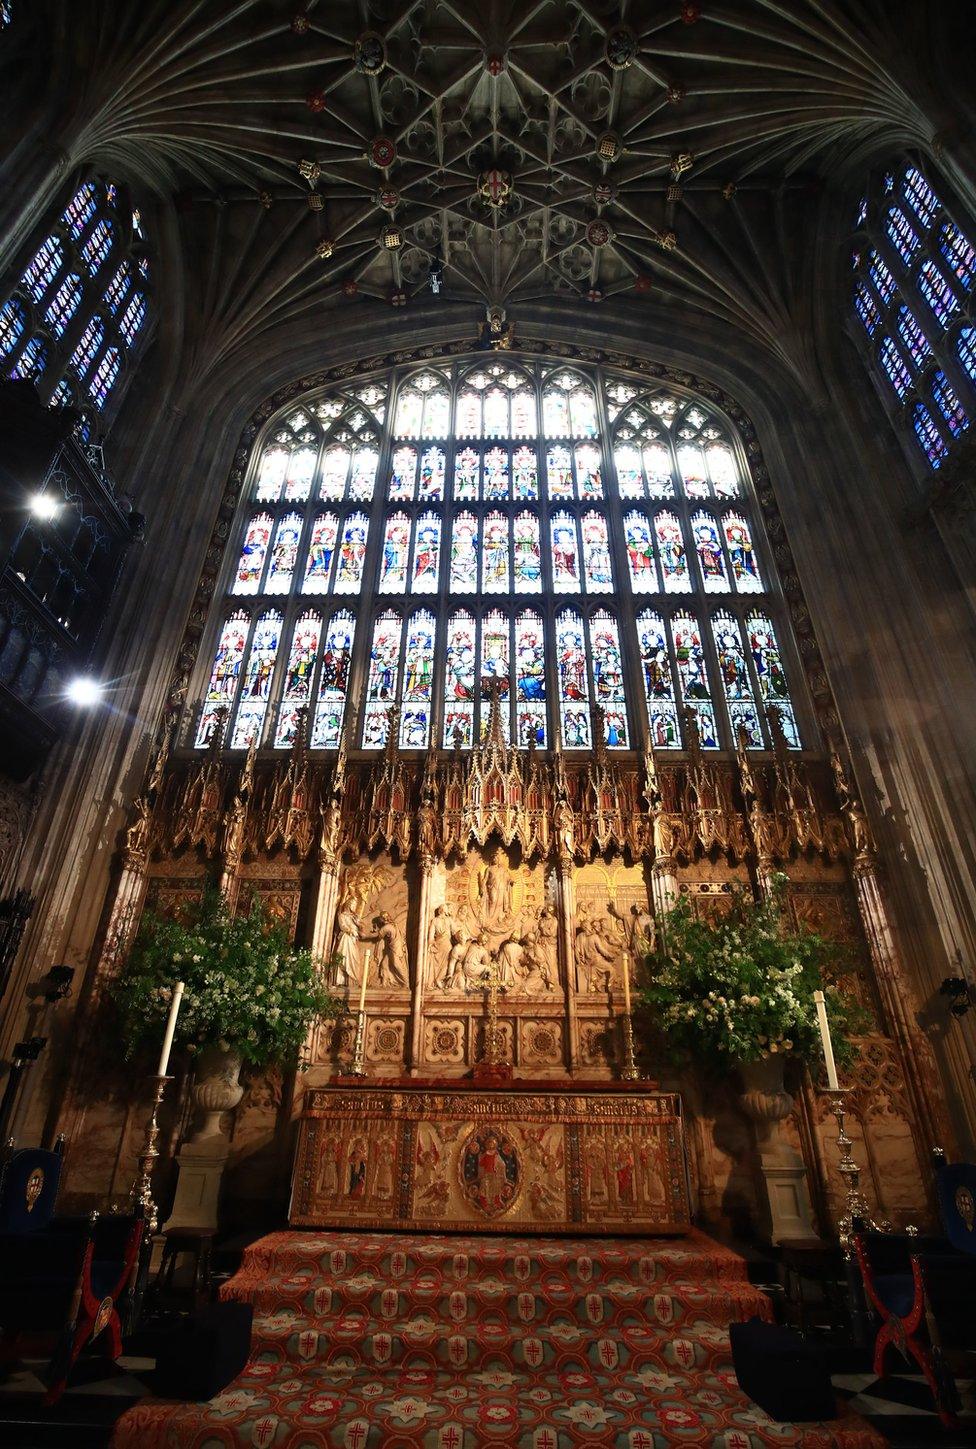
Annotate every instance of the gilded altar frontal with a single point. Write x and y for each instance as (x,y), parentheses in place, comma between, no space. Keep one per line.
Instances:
(475,479)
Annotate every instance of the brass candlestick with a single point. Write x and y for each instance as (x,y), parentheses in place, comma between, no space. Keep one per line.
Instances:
(142,1187)
(628,1071)
(856,1209)
(358,1068)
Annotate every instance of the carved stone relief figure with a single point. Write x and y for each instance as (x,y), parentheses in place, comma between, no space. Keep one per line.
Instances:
(349,966)
(598,949)
(369,890)
(439,937)
(392,949)
(495,891)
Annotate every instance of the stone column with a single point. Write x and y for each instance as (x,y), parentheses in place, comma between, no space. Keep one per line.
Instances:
(930,1126)
(664,881)
(566,885)
(427,863)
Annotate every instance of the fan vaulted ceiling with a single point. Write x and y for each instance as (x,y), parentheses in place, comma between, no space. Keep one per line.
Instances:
(322,149)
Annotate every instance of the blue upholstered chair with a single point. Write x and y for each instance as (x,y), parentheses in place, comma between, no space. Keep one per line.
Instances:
(61,1279)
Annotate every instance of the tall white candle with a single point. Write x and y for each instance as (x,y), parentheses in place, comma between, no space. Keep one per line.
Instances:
(362,985)
(627,985)
(828,1047)
(174,1011)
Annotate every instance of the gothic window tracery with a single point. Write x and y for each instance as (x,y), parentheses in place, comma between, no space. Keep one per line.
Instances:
(563,538)
(75,315)
(912,294)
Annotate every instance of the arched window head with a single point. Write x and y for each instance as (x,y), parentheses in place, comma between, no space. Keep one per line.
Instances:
(13,321)
(572,551)
(910,297)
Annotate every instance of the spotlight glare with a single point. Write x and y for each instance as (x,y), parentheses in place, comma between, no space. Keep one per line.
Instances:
(84,692)
(44,505)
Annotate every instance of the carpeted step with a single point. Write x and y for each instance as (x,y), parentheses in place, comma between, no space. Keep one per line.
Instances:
(393,1257)
(418,1409)
(423,1341)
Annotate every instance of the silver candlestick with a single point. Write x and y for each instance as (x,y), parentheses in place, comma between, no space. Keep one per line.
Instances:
(856,1206)
(141,1192)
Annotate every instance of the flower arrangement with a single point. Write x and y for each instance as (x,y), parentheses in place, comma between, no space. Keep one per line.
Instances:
(247,989)
(740,989)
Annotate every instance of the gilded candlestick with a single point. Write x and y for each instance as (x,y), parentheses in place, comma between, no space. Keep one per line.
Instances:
(856,1207)
(141,1192)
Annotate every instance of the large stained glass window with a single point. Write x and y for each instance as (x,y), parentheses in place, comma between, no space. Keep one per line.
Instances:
(911,295)
(579,544)
(76,314)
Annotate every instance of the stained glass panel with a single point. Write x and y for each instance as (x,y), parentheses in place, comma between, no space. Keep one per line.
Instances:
(496,475)
(64,304)
(608,677)
(966,350)
(364,464)
(930,440)
(468,424)
(496,413)
(431,475)
(105,375)
(525,475)
(895,366)
(559,472)
(321,551)
(427,554)
(574,694)
(464,555)
(335,467)
(693,673)
(226,670)
(582,405)
(959,252)
(271,474)
(596,554)
(866,308)
(250,565)
(256,687)
(657,469)
(711,559)
(555,413)
(937,292)
(902,234)
(640,554)
(80,209)
(947,401)
(298,478)
(297,688)
(742,554)
(723,471)
(403,473)
(409,413)
(671,551)
(528,555)
(736,684)
(530,679)
(662,712)
(418,674)
(13,321)
(495,665)
(352,552)
(466,470)
(881,277)
(284,552)
(913,337)
(525,422)
(565,554)
(43,267)
(920,196)
(459,680)
(627,461)
(333,681)
(396,552)
(381,682)
(97,246)
(437,412)
(494,555)
(691,465)
(768,664)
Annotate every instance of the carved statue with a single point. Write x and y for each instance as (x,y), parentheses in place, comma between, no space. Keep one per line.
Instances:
(662,833)
(861,837)
(439,938)
(477,959)
(232,844)
(596,951)
(137,835)
(508,959)
(331,832)
(347,945)
(547,947)
(565,827)
(495,890)
(455,959)
(427,830)
(392,950)
(637,926)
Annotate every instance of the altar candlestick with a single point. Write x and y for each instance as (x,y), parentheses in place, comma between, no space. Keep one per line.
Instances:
(828,1048)
(626,986)
(362,985)
(174,1011)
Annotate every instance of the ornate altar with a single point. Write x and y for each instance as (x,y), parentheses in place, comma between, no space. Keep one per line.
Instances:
(573,1158)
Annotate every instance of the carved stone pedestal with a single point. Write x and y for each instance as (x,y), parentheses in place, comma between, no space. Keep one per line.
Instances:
(201,1168)
(786,1211)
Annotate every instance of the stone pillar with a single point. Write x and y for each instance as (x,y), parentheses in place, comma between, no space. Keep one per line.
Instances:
(930,1125)
(566,884)
(664,885)
(427,863)
(786,1212)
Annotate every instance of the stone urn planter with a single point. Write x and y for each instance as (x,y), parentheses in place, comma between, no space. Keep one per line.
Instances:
(215,1091)
(785,1210)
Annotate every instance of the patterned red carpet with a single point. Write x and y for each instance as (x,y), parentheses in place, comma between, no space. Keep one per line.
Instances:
(375,1341)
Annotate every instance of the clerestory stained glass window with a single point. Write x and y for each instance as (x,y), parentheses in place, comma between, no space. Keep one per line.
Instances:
(577,543)
(924,351)
(79,316)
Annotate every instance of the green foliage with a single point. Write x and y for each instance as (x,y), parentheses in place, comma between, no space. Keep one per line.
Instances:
(741,988)
(246,987)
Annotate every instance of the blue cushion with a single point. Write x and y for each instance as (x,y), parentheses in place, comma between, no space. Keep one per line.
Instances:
(896,1291)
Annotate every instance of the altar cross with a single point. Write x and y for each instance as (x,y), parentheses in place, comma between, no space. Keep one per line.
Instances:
(492,979)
